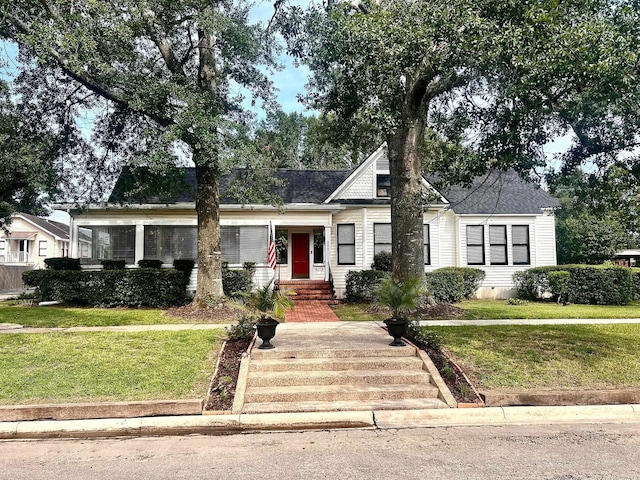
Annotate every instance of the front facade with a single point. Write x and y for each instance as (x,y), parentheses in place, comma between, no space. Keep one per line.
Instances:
(31,239)
(335,221)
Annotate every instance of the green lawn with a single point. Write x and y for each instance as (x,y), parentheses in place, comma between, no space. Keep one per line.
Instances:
(500,309)
(83,317)
(546,357)
(77,367)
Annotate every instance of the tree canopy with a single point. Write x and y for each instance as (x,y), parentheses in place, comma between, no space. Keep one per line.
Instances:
(161,81)
(28,163)
(491,80)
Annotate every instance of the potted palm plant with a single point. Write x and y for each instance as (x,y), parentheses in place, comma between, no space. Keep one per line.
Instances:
(271,305)
(402,298)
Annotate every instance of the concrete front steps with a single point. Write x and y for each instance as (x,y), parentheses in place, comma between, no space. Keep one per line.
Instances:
(309,289)
(338,379)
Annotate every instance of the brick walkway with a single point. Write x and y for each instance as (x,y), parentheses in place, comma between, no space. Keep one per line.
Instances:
(311,311)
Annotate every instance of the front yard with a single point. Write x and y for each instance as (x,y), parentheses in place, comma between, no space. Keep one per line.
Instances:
(531,357)
(88,367)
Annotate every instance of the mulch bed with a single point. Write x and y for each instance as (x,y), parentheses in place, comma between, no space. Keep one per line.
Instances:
(223,386)
(441,311)
(218,313)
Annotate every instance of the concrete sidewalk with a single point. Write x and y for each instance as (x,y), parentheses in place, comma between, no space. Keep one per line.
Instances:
(387,419)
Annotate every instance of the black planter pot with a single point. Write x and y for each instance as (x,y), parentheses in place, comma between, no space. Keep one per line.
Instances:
(266,328)
(397,328)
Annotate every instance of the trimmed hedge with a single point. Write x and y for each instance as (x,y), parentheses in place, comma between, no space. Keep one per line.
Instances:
(360,285)
(136,287)
(150,263)
(113,264)
(472,278)
(184,265)
(382,261)
(62,263)
(445,286)
(586,284)
(234,282)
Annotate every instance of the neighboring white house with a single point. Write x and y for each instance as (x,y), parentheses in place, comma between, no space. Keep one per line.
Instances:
(332,222)
(31,239)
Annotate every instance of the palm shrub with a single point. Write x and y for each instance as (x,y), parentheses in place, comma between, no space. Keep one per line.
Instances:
(401,297)
(267,300)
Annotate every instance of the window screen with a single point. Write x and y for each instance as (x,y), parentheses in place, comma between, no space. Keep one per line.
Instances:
(520,242)
(381,237)
(475,245)
(169,243)
(244,243)
(347,244)
(498,244)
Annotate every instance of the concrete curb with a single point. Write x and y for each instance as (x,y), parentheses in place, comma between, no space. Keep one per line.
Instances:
(88,411)
(383,419)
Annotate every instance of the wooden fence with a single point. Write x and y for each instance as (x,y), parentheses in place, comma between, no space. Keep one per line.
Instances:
(11,276)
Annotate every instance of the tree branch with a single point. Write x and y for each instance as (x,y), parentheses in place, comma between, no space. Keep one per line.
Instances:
(163,44)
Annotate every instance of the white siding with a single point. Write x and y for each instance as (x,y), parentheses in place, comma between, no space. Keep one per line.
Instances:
(353,216)
(360,187)
(545,247)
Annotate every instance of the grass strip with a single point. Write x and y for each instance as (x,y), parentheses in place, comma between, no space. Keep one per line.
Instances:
(501,309)
(79,367)
(546,357)
(83,317)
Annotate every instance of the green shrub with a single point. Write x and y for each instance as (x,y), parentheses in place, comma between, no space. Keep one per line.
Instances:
(360,285)
(234,282)
(587,284)
(109,288)
(113,264)
(446,286)
(63,263)
(244,329)
(184,265)
(250,268)
(559,284)
(635,284)
(382,261)
(472,278)
(150,263)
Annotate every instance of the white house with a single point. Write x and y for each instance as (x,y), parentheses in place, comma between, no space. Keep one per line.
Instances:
(31,239)
(332,222)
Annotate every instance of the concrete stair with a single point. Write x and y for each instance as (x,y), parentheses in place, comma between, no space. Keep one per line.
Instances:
(309,289)
(334,379)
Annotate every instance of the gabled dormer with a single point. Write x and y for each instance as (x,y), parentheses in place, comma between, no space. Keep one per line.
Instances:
(370,181)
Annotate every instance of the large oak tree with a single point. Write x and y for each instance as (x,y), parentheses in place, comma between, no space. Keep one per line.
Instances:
(157,79)
(489,82)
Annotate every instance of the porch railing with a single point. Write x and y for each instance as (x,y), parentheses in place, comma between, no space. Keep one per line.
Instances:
(15,257)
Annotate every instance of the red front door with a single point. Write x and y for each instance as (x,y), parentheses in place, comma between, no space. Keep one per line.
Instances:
(300,255)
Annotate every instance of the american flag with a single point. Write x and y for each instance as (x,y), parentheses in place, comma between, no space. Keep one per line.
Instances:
(271,251)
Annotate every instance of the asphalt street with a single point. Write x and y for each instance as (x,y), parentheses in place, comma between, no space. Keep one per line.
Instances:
(609,451)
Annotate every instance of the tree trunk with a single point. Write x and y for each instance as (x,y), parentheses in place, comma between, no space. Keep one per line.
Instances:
(405,168)
(208,211)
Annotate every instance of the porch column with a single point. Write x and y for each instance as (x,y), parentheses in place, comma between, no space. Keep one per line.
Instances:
(72,249)
(139,245)
(327,251)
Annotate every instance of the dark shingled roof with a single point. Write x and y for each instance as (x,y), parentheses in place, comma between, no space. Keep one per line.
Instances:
(300,186)
(496,193)
(58,229)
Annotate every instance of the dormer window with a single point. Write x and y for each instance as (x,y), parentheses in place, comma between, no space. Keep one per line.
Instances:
(383,186)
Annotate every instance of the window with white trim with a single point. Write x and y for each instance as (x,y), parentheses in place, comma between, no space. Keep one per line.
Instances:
(383,185)
(426,244)
(381,238)
(107,243)
(346,233)
(2,252)
(241,244)
(168,242)
(498,244)
(475,245)
(520,244)
(42,248)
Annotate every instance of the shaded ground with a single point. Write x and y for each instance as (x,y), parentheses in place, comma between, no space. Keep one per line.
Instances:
(217,313)
(223,386)
(441,311)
